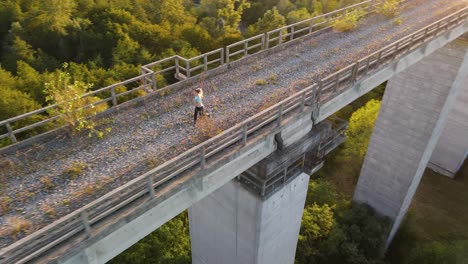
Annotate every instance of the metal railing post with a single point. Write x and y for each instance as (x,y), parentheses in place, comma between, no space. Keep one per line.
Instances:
(267,40)
(311,26)
(303,96)
(396,51)
(280,37)
(149,182)
(246,51)
(335,89)
(142,72)
(221,59)
(227,54)
(367,66)
(153,81)
(11,134)
(263,41)
(187,68)
(205,63)
(114,98)
(176,61)
(85,222)
(280,115)
(319,92)
(202,158)
(355,72)
(292,33)
(244,134)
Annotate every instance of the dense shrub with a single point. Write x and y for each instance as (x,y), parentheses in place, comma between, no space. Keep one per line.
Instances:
(347,22)
(388,8)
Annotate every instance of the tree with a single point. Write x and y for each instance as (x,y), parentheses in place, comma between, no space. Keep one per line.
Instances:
(31,82)
(297,15)
(360,128)
(223,14)
(13,102)
(359,237)
(66,94)
(197,36)
(169,244)
(272,19)
(317,222)
(231,13)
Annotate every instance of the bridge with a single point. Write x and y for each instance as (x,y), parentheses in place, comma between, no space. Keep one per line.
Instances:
(247,185)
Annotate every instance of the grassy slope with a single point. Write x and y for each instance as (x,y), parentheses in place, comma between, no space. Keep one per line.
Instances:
(440,206)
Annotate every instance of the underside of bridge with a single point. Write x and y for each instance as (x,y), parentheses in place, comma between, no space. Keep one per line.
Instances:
(416,106)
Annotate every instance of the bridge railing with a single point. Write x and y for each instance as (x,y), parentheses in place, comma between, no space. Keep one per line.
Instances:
(245,47)
(204,155)
(153,74)
(313,25)
(108,95)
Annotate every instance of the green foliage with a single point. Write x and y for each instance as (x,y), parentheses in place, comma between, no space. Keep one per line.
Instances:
(74,169)
(317,222)
(15,102)
(389,8)
(439,253)
(297,15)
(322,192)
(348,22)
(359,237)
(73,108)
(272,19)
(169,244)
(360,128)
(333,231)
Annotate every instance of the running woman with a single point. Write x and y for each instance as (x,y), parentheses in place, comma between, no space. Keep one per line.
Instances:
(198,96)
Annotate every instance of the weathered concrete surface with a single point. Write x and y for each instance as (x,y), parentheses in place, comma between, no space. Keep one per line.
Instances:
(127,231)
(107,246)
(452,148)
(414,109)
(295,130)
(234,226)
(367,84)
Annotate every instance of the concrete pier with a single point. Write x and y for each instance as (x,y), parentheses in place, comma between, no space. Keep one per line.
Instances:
(452,149)
(236,226)
(413,114)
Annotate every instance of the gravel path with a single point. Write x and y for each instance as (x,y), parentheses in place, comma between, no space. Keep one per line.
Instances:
(37,185)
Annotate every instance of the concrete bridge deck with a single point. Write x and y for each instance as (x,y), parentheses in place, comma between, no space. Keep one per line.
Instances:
(163,132)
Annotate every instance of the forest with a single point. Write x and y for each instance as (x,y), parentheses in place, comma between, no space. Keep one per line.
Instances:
(102,42)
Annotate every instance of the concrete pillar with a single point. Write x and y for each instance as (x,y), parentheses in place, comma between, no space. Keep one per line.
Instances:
(414,109)
(236,226)
(452,148)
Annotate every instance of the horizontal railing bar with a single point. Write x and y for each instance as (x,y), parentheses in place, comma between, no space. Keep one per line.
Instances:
(160,61)
(201,66)
(213,61)
(245,40)
(165,70)
(40,123)
(220,50)
(255,46)
(236,53)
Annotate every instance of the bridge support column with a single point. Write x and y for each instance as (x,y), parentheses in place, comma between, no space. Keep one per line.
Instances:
(236,226)
(452,148)
(414,109)
(256,219)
